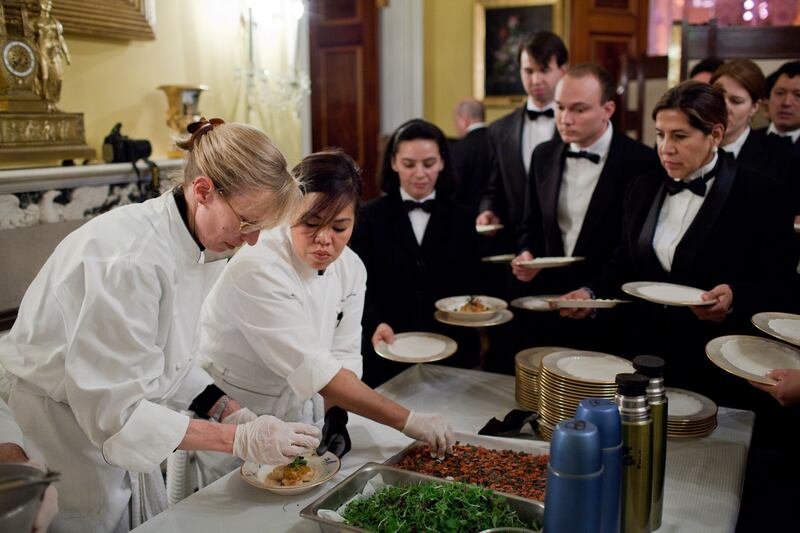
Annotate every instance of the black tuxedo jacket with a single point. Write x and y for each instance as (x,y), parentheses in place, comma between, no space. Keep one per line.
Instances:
(742,236)
(404,279)
(471,161)
(776,157)
(505,191)
(600,232)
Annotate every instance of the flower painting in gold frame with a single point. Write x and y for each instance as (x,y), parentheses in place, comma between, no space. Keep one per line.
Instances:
(500,27)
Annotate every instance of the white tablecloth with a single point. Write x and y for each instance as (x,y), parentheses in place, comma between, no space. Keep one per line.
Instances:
(704,477)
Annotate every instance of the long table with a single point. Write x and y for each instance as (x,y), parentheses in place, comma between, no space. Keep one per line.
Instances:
(703,487)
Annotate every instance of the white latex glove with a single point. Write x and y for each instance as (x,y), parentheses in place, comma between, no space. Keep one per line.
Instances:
(269,440)
(242,416)
(432,429)
(47,510)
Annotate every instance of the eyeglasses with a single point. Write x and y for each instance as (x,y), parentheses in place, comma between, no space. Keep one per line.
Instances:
(245,227)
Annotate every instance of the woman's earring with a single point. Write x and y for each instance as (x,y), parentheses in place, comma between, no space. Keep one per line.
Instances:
(714,149)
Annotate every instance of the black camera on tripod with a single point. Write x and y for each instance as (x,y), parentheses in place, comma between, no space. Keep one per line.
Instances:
(119,148)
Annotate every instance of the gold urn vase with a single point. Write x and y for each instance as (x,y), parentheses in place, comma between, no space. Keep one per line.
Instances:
(183,108)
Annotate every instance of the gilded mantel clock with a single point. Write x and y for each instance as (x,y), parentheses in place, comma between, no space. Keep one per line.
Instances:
(33,54)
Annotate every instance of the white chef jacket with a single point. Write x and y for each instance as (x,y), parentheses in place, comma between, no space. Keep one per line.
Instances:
(101,354)
(277,331)
(9,430)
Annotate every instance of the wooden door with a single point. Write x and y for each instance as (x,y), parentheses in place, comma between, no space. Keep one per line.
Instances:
(607,31)
(344,81)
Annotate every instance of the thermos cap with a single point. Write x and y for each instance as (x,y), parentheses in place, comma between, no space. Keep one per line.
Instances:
(604,414)
(632,384)
(649,365)
(575,448)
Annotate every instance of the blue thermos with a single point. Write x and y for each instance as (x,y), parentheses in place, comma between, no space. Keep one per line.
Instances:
(605,415)
(574,473)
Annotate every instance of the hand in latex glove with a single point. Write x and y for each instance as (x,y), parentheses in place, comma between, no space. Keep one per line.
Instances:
(47,510)
(335,438)
(242,416)
(430,428)
(269,440)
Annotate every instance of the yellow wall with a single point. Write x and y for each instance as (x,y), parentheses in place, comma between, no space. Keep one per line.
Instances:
(448,61)
(197,41)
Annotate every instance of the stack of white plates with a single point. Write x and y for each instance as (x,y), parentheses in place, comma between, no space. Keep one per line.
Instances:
(527,363)
(569,376)
(689,414)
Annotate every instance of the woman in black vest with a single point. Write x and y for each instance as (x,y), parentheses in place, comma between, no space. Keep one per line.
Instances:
(418,246)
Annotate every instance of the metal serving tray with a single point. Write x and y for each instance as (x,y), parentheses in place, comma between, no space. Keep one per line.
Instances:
(528,510)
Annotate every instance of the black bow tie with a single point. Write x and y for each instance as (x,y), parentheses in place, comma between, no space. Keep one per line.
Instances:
(427,205)
(697,185)
(583,154)
(533,114)
(776,137)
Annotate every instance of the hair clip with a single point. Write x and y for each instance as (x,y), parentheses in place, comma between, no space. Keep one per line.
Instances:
(202,126)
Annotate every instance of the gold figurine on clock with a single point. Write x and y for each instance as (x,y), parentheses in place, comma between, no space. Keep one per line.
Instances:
(33,56)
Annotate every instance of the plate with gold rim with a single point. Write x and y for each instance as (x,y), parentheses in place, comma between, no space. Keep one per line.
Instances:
(751,357)
(667,293)
(548,262)
(783,326)
(487,228)
(498,318)
(417,347)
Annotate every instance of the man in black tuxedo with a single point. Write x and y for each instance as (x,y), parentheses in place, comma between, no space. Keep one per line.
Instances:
(512,139)
(576,186)
(470,153)
(783,105)
(574,199)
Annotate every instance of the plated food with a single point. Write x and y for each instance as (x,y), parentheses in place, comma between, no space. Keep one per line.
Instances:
(752,357)
(417,347)
(666,293)
(471,308)
(494,320)
(301,475)
(519,473)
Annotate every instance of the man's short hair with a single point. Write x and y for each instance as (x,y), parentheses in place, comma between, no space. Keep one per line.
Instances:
(543,45)
(472,109)
(790,68)
(709,64)
(600,74)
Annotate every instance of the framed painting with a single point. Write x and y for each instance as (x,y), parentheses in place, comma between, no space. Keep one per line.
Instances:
(500,27)
(108,19)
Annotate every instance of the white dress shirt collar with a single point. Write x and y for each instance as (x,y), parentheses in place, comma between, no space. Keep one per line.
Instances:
(533,107)
(600,146)
(736,146)
(418,217)
(702,171)
(794,134)
(475,126)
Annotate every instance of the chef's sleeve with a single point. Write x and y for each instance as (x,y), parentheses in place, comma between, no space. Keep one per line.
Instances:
(115,361)
(9,430)
(267,305)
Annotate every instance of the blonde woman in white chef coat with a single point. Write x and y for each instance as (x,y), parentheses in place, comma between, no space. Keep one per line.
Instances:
(283,323)
(101,353)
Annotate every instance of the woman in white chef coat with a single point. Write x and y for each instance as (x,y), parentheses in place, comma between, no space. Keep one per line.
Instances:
(101,353)
(283,322)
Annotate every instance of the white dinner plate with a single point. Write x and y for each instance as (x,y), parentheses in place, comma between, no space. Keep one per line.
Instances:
(502,258)
(591,304)
(587,367)
(498,318)
(453,304)
(687,406)
(548,262)
(535,303)
(784,326)
(488,228)
(752,357)
(324,467)
(417,347)
(531,358)
(666,293)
